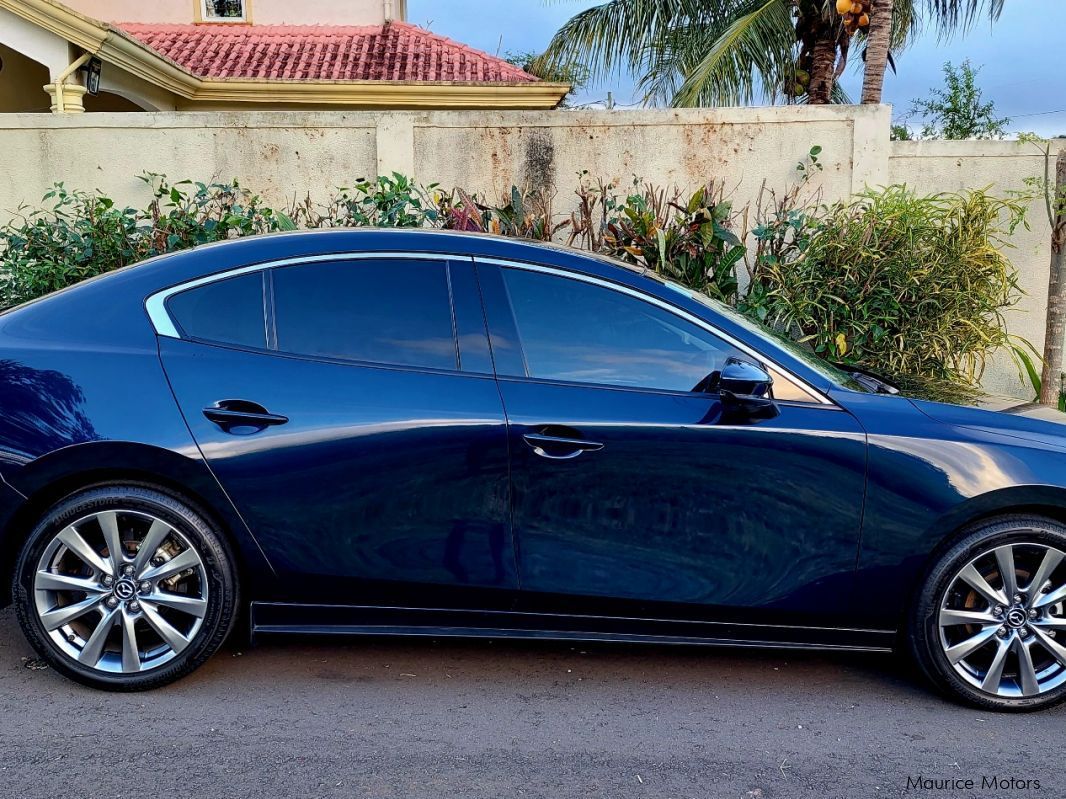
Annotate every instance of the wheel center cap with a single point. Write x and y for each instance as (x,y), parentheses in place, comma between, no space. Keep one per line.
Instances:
(1017,618)
(125,589)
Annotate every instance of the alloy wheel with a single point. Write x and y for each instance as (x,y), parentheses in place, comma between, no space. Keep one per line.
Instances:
(120,591)
(1001,620)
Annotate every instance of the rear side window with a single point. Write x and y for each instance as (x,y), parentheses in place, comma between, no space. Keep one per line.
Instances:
(229,311)
(390,312)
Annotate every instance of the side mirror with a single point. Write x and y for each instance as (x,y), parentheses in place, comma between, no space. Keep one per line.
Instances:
(745,389)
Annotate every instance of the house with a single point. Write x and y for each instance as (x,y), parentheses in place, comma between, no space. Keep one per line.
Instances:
(177,55)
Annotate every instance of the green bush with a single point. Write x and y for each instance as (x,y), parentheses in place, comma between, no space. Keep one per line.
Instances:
(897,282)
(81,234)
(687,239)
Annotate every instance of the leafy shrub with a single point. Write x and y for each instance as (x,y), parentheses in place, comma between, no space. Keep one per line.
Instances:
(81,234)
(393,201)
(900,283)
(688,240)
(78,236)
(524,215)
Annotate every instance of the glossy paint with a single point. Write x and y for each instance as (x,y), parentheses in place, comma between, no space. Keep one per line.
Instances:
(418,490)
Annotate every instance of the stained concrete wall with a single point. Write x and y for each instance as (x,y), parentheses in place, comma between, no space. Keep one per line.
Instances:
(286,155)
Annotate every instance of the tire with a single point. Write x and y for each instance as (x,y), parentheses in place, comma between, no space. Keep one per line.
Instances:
(974,646)
(135,620)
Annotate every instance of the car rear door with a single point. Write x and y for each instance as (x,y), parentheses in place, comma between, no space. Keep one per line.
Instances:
(363,444)
(631,494)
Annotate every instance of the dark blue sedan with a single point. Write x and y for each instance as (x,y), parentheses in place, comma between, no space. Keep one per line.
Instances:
(414,433)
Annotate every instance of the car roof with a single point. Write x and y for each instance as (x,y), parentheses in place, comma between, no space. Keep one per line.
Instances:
(111,306)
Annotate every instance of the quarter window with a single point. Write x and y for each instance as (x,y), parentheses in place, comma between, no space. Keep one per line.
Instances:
(577,332)
(229,311)
(390,312)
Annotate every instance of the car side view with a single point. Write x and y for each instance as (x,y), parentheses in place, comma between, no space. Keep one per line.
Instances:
(426,433)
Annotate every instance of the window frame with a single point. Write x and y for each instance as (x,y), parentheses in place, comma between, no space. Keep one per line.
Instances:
(266,297)
(203,18)
(156,306)
(776,370)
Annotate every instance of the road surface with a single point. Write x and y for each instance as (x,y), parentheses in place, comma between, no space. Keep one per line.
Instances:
(421,718)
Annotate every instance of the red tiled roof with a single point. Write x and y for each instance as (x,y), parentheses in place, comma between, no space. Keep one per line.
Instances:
(396,51)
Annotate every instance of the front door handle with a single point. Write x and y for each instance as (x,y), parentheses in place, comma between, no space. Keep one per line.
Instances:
(229,414)
(558,448)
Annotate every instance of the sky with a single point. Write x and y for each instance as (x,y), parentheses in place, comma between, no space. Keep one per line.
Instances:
(1020,56)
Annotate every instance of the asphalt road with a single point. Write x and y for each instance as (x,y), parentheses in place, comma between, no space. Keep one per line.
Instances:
(418,718)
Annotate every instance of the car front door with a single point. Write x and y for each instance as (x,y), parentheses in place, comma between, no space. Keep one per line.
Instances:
(365,449)
(632,494)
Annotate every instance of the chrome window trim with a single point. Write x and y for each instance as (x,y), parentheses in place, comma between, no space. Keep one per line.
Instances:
(164,325)
(817,397)
(156,304)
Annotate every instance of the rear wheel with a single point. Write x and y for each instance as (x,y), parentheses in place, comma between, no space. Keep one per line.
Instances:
(989,626)
(125,588)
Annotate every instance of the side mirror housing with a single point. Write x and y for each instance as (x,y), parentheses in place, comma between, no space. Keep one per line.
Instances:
(746,392)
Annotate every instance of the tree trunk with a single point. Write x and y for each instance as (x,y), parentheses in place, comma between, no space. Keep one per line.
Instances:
(1051,376)
(823,65)
(878,42)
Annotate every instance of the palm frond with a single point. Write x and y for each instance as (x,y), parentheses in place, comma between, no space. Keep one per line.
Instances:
(958,16)
(613,35)
(755,51)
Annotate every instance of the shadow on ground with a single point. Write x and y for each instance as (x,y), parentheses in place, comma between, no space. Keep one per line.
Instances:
(418,717)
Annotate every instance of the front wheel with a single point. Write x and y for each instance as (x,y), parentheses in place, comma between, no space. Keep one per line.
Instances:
(989,625)
(125,588)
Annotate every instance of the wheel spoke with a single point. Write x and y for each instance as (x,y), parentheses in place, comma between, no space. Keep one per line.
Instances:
(1052,558)
(179,563)
(973,578)
(54,619)
(949,617)
(994,677)
(94,647)
(73,541)
(157,533)
(109,525)
(173,638)
(966,648)
(131,656)
(1050,623)
(194,606)
(49,581)
(1005,561)
(1057,650)
(1056,596)
(1026,670)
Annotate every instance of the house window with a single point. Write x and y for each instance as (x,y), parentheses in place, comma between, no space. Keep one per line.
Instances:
(224,10)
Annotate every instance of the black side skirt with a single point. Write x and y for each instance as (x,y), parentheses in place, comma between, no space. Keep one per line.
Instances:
(270,618)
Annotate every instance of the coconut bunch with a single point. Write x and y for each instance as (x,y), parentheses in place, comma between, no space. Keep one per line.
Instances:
(856,14)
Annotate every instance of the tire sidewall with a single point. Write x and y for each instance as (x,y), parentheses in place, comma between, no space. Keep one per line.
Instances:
(222,589)
(924,625)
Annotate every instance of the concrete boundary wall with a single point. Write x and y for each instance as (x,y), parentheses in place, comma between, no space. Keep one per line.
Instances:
(288,155)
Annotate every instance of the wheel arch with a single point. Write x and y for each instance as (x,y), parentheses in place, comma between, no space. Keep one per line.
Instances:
(1039,500)
(59,474)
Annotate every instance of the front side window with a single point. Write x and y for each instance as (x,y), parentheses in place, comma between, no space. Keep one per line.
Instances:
(577,332)
(229,311)
(380,311)
(224,10)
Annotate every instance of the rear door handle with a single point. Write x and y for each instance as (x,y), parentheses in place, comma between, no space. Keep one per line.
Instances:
(228,414)
(557,448)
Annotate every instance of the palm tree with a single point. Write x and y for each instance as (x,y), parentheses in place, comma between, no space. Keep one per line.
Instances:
(728,52)
(878,46)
